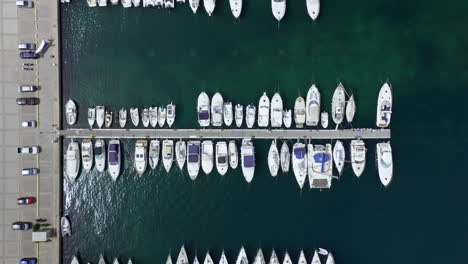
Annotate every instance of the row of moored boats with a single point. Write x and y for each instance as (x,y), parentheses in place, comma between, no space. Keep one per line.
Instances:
(102,260)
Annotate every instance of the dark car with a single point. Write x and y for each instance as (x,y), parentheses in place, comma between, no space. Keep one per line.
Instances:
(29,171)
(21,225)
(28,261)
(27,101)
(26,200)
(28,55)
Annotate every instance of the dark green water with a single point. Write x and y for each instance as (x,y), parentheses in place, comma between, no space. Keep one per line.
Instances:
(144,57)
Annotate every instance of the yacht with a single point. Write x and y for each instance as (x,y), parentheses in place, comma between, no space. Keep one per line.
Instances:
(285,157)
(123,117)
(385,162)
(339,156)
(75,260)
(324,119)
(193,159)
(113,158)
(153,116)
(278,7)
(299,160)
(313,8)
(274,258)
(91,116)
(276,110)
(141,156)
(263,111)
(180,153)
(136,3)
(66,228)
(223,259)
(233,155)
(154,153)
(242,257)
(203,109)
(316,258)
(236,7)
(87,154)
(209,6)
(145,117)
(167,154)
(302,258)
(239,114)
(100,155)
(182,258)
(92,3)
(170,116)
(108,119)
(338,104)
(259,259)
(350,109)
(207,156)
(321,169)
(194,5)
(101,260)
(135,116)
(250,113)
(161,116)
(228,114)
(102,2)
(300,112)
(248,159)
(126,3)
(330,259)
(221,157)
(287,118)
(287,258)
(70,112)
(273,159)
(208,259)
(313,106)
(384,106)
(72,161)
(217,107)
(358,156)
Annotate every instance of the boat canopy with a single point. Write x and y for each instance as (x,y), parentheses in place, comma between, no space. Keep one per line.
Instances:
(222,159)
(249,161)
(203,115)
(113,153)
(299,153)
(194,149)
(321,157)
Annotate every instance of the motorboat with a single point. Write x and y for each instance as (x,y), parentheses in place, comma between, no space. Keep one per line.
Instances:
(242,257)
(87,154)
(129,261)
(194,5)
(276,109)
(299,160)
(259,259)
(358,156)
(126,3)
(324,119)
(169,4)
(209,6)
(228,113)
(91,116)
(302,258)
(72,160)
(250,113)
(248,159)
(330,259)
(321,169)
(153,157)
(114,2)
(123,117)
(338,104)
(207,154)
(313,106)
(100,155)
(222,157)
(158,3)
(217,109)
(233,155)
(153,116)
(316,258)
(299,112)
(193,159)
(136,3)
(208,259)
(385,162)
(182,258)
(92,3)
(180,153)
(162,116)
(145,117)
(287,258)
(278,7)
(285,157)
(116,261)
(170,114)
(236,7)
(287,118)
(238,114)
(195,260)
(350,109)
(169,259)
(108,119)
(223,259)
(203,107)
(70,112)
(313,8)
(339,156)
(167,154)
(273,258)
(75,260)
(384,106)
(66,226)
(101,259)
(263,111)
(102,2)
(134,116)
(113,158)
(141,156)
(273,159)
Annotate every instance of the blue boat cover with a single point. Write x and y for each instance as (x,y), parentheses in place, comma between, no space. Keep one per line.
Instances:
(321,157)
(299,153)
(249,161)
(193,158)
(113,147)
(194,149)
(203,115)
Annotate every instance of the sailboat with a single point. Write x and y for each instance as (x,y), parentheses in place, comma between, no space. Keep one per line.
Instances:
(350,109)
(330,259)
(242,257)
(299,160)
(263,111)
(339,156)
(223,259)
(273,159)
(274,258)
(182,258)
(259,259)
(285,157)
(302,258)
(180,151)
(91,116)
(287,258)
(316,258)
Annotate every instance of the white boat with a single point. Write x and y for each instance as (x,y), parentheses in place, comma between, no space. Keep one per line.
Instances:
(273,159)
(167,154)
(263,111)
(158,3)
(87,154)
(322,251)
(339,156)
(313,106)
(250,113)
(299,161)
(195,260)
(330,259)
(228,113)
(113,158)
(92,3)
(194,5)
(385,162)
(114,2)
(116,260)
(153,116)
(338,104)
(384,106)
(242,257)
(222,157)
(278,7)
(236,7)
(129,261)
(358,156)
(300,112)
(239,115)
(313,8)
(233,155)
(302,258)
(66,227)
(70,112)
(100,155)
(287,118)
(91,116)
(136,3)
(223,259)
(321,170)
(180,153)
(141,156)
(248,159)
(209,6)
(316,258)
(72,160)
(169,4)
(161,116)
(217,107)
(182,258)
(145,117)
(108,119)
(208,259)
(170,114)
(287,258)
(285,157)
(102,2)
(153,157)
(207,154)
(169,259)
(203,108)
(134,116)
(75,260)
(276,109)
(193,159)
(101,260)
(274,258)
(259,259)
(350,109)
(126,3)
(324,119)
(123,117)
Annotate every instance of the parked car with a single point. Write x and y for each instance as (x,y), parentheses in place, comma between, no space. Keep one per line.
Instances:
(29,150)
(29,171)
(24,3)
(27,101)
(27,88)
(21,225)
(26,200)
(27,46)
(29,123)
(29,55)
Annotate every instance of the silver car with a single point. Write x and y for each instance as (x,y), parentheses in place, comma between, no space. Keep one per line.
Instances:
(29,171)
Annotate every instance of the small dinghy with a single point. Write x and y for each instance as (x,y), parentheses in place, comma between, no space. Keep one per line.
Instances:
(228,114)
(209,6)
(181,153)
(350,109)
(70,112)
(161,116)
(171,114)
(250,113)
(207,156)
(100,115)
(233,155)
(194,5)
(100,155)
(273,159)
(134,116)
(87,154)
(324,119)
(299,112)
(285,157)
(154,153)
(91,116)
(108,119)
(167,154)
(145,118)
(236,7)
(66,226)
(153,116)
(313,8)
(339,156)
(239,114)
(123,117)
(287,118)
(221,157)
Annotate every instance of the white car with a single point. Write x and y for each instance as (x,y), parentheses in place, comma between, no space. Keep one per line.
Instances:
(24,3)
(29,150)
(29,124)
